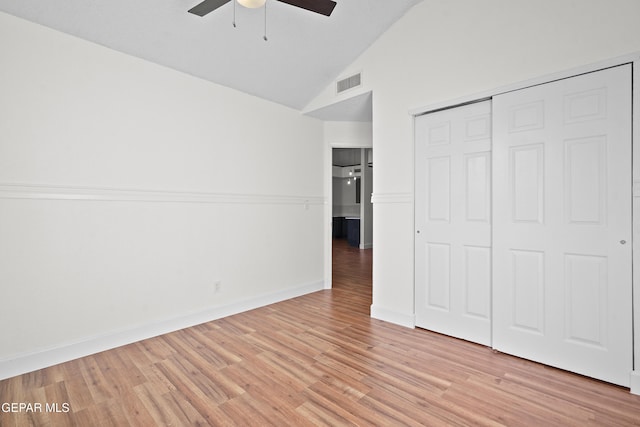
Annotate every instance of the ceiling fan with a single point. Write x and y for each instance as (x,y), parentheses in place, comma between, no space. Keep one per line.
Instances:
(323,7)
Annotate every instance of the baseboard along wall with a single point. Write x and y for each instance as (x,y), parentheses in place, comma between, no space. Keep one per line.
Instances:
(69,351)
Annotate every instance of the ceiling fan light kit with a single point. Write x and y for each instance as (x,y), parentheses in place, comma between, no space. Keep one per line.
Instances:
(323,7)
(252,4)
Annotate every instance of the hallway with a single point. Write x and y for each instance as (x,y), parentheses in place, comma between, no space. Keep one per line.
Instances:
(352,272)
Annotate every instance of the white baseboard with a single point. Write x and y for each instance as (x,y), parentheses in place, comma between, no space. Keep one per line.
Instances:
(635,382)
(41,359)
(402,319)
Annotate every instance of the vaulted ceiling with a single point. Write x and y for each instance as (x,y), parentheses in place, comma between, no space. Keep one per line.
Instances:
(304,52)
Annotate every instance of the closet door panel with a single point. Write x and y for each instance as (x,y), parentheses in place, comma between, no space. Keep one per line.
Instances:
(561,218)
(453,222)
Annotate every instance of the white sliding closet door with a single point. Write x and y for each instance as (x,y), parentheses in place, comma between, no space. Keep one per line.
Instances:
(453,222)
(562,224)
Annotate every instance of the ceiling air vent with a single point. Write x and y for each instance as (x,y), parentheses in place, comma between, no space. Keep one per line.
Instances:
(349,83)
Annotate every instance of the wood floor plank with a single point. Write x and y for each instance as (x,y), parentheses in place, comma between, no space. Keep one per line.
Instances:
(318,359)
(192,383)
(514,409)
(157,407)
(156,349)
(232,342)
(326,410)
(134,409)
(246,411)
(37,418)
(319,415)
(215,355)
(275,345)
(98,386)
(107,413)
(122,373)
(324,392)
(428,409)
(351,387)
(268,387)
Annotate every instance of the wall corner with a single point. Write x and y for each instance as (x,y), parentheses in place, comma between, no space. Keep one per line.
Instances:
(402,319)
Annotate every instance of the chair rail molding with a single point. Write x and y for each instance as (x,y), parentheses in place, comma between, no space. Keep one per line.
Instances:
(78,193)
(386,198)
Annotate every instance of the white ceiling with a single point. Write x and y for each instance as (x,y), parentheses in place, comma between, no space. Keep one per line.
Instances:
(304,53)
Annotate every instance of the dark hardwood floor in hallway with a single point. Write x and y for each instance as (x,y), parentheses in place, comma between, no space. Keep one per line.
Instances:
(314,360)
(352,271)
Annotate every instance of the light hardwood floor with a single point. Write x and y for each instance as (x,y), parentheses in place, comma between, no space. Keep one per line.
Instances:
(314,360)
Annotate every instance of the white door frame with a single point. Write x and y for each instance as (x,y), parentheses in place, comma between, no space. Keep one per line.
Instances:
(633,59)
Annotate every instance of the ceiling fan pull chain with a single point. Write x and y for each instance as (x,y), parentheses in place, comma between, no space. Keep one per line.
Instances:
(265,21)
(234,13)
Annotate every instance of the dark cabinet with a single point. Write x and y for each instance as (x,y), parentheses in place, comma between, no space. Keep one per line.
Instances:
(347,227)
(339,227)
(353,231)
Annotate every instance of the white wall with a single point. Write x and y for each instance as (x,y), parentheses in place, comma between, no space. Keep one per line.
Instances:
(127,190)
(344,198)
(348,134)
(442,50)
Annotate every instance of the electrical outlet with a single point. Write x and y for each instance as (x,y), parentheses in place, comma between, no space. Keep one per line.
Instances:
(216,286)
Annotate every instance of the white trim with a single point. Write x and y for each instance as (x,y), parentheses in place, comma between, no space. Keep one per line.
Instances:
(386,198)
(547,78)
(635,164)
(402,319)
(350,144)
(328,216)
(29,362)
(634,382)
(59,192)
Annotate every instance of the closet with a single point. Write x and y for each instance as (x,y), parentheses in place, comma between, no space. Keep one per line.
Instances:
(523,223)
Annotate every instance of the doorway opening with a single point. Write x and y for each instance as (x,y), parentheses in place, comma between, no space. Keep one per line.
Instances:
(348,124)
(352,217)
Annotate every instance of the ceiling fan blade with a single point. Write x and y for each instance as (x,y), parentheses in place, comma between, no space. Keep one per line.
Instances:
(323,7)
(207,6)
